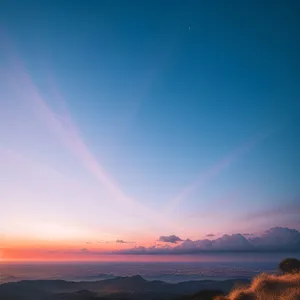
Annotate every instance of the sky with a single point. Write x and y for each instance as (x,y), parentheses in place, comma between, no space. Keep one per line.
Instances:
(125,121)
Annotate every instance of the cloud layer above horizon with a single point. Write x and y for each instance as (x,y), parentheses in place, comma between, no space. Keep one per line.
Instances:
(274,239)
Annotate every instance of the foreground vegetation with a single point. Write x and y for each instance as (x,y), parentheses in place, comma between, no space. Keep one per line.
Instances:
(285,286)
(268,287)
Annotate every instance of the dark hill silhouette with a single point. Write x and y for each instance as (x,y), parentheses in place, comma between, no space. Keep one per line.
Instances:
(80,295)
(135,287)
(204,295)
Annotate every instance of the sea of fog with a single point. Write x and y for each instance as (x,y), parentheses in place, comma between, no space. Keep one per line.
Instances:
(166,268)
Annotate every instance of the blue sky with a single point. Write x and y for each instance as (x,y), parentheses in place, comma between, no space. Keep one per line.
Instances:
(164,96)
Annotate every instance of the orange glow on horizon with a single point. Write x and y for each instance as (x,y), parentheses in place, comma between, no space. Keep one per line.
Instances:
(22,250)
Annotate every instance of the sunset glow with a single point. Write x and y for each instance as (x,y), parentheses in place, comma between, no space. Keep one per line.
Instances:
(132,134)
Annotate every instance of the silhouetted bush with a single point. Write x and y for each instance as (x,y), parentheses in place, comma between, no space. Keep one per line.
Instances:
(290,265)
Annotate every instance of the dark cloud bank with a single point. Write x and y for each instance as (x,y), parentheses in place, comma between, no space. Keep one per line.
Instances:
(274,239)
(170,239)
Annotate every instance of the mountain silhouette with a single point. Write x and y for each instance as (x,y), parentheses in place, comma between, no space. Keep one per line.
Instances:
(134,287)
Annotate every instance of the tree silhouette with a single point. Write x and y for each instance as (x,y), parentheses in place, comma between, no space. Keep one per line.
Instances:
(290,265)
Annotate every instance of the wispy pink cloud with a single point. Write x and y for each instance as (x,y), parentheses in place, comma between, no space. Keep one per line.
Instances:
(63,128)
(213,171)
(285,210)
(226,200)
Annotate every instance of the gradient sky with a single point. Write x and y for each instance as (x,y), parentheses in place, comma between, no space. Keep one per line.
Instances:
(134,119)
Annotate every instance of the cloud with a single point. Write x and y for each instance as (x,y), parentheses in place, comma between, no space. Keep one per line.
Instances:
(235,242)
(156,249)
(210,235)
(277,238)
(124,242)
(52,251)
(120,242)
(170,239)
(286,210)
(274,239)
(84,250)
(105,242)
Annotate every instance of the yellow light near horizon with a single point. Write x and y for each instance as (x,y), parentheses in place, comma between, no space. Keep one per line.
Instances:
(54,231)
(50,231)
